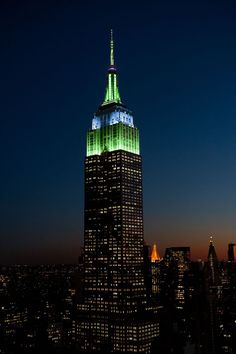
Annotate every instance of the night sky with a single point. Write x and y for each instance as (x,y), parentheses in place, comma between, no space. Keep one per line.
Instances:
(177,73)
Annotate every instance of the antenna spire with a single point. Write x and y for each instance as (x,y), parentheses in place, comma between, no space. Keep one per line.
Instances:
(112,49)
(112,94)
(211,240)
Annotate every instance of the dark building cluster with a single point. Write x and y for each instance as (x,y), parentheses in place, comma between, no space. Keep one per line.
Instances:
(120,298)
(37,307)
(196,300)
(192,303)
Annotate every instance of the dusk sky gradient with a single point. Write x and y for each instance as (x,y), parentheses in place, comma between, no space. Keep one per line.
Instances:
(176,62)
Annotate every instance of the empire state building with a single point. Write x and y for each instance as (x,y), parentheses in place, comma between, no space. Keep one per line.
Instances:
(113,314)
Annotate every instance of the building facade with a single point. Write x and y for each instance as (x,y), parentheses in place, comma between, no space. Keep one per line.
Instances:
(213,294)
(231,252)
(114,316)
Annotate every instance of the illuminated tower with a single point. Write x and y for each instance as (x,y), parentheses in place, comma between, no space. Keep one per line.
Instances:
(113,315)
(155,270)
(154,255)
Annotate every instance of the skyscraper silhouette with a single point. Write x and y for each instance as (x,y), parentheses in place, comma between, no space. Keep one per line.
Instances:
(213,299)
(231,252)
(113,314)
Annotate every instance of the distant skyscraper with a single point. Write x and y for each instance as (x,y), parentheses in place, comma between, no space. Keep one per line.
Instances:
(155,255)
(113,314)
(212,266)
(178,259)
(155,270)
(178,254)
(213,297)
(231,252)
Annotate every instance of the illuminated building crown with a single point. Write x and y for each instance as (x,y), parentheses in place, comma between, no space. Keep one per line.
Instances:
(112,125)
(112,94)
(155,255)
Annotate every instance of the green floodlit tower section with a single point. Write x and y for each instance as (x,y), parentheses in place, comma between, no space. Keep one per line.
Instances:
(112,94)
(112,125)
(113,137)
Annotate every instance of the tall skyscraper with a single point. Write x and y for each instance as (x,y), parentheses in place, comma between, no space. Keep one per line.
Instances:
(231,252)
(114,315)
(178,259)
(155,270)
(213,289)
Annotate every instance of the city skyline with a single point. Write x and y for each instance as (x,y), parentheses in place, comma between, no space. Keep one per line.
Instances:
(185,111)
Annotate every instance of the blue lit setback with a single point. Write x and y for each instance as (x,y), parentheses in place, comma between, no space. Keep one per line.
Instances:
(112,118)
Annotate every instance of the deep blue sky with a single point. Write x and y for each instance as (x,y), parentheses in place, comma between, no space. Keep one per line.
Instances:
(177,72)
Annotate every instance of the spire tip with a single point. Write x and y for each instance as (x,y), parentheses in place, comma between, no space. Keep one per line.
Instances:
(112,49)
